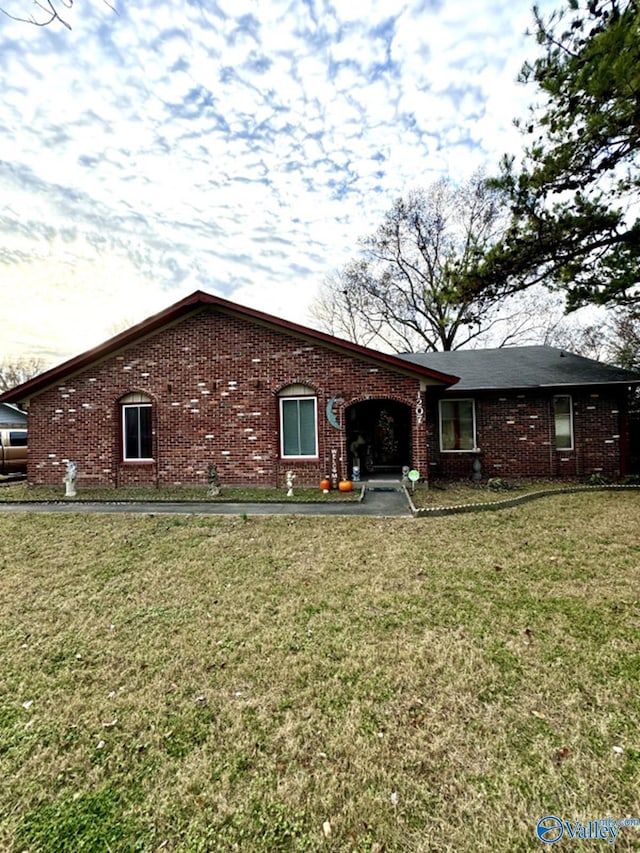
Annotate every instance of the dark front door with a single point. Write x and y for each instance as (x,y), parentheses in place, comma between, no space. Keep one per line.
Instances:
(379,436)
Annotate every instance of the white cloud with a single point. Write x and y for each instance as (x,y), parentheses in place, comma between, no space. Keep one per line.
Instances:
(240,147)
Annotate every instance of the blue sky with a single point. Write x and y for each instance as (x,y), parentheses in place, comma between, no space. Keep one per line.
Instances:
(234,146)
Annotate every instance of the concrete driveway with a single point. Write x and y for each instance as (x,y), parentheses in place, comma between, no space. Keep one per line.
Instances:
(376,503)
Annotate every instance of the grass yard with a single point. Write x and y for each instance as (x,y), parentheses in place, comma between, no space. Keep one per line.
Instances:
(455,492)
(300,684)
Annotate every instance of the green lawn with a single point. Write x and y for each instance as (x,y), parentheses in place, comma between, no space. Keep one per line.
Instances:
(302,684)
(445,493)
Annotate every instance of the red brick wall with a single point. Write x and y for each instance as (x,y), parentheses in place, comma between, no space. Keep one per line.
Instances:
(213,380)
(515,433)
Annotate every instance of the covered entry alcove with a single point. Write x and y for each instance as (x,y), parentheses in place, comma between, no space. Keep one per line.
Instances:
(378,435)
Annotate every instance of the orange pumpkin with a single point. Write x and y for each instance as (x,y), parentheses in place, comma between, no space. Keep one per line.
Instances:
(345,486)
(325,484)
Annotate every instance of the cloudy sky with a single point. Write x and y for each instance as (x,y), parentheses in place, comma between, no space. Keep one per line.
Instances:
(235,146)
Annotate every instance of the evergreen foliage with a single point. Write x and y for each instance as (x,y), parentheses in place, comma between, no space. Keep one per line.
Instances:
(574,197)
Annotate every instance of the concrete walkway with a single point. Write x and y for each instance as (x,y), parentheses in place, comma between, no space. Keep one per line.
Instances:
(380,503)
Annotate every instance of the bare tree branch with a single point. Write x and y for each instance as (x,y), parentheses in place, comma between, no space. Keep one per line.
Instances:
(16,371)
(400,291)
(50,11)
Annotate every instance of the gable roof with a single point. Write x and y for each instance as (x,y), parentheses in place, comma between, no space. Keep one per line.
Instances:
(200,300)
(522,367)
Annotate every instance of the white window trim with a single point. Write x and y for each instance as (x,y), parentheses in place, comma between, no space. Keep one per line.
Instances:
(555,430)
(471,400)
(281,400)
(126,458)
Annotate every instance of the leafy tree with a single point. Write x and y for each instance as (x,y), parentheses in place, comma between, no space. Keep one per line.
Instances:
(574,197)
(399,293)
(15,372)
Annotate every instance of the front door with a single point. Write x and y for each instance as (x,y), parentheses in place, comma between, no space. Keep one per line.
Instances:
(378,437)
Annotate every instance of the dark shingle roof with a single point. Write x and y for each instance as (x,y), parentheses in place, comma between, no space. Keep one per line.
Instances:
(521,367)
(12,415)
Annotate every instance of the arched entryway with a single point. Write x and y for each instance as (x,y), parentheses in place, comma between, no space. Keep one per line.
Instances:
(378,434)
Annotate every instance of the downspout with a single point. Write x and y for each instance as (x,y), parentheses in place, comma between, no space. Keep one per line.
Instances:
(623,431)
(552,441)
(344,451)
(117,442)
(157,442)
(578,446)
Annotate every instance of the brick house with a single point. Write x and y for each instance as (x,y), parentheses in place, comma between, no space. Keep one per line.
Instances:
(531,411)
(209,381)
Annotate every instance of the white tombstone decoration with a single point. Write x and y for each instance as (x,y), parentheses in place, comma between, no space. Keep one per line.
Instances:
(69,480)
(289,481)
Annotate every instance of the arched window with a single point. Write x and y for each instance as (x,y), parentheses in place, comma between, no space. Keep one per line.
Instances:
(298,422)
(137,441)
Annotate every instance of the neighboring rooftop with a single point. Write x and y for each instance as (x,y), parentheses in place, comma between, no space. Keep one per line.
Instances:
(12,416)
(521,367)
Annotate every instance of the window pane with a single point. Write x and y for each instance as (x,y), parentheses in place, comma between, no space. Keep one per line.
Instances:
(456,425)
(130,433)
(307,409)
(298,427)
(465,430)
(290,435)
(563,430)
(137,432)
(447,426)
(563,434)
(145,432)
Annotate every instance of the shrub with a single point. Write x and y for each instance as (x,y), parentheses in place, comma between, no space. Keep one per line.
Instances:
(497,484)
(598,480)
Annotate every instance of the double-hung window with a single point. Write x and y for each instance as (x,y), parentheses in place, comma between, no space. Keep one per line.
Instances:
(563,421)
(457,425)
(298,422)
(137,443)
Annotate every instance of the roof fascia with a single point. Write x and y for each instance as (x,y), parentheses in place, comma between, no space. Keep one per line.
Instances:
(600,384)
